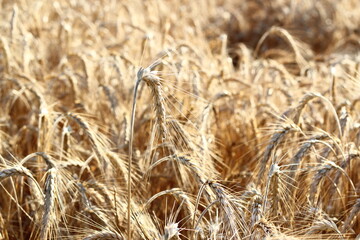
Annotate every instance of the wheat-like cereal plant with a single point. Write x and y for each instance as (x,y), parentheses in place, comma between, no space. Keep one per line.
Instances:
(157,119)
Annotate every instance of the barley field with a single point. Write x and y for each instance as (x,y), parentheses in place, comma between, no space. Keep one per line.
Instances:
(178,119)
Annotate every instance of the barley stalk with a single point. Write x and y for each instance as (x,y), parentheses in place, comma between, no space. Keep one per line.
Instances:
(49,216)
(104,235)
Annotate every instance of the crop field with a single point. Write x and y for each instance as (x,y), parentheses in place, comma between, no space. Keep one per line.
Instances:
(179,119)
